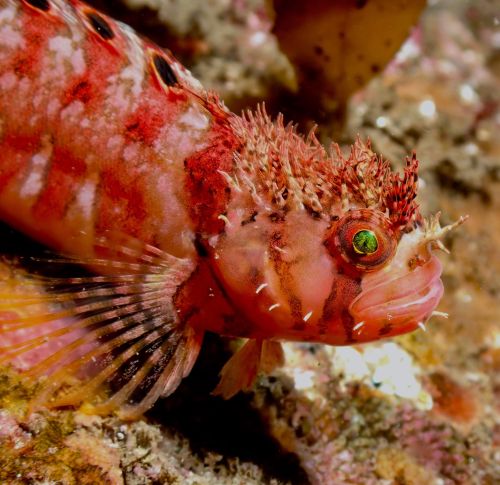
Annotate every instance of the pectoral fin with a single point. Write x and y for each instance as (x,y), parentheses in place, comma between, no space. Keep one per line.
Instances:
(240,371)
(121,329)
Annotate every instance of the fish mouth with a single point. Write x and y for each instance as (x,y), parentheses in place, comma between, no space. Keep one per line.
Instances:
(387,308)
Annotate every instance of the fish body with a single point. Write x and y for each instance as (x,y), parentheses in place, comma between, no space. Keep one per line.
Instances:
(89,120)
(194,219)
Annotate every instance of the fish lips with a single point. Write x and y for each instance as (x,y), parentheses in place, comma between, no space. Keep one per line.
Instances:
(397,305)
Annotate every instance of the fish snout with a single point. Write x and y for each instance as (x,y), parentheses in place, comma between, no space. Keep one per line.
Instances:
(398,305)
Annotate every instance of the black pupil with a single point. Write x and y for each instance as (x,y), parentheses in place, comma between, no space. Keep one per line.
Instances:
(164,70)
(100,26)
(39,4)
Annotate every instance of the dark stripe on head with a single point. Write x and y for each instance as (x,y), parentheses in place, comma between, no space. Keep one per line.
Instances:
(329,308)
(336,307)
(282,268)
(164,71)
(100,26)
(42,5)
(348,324)
(386,329)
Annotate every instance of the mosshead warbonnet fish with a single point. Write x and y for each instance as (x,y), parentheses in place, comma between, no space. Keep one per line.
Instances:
(191,219)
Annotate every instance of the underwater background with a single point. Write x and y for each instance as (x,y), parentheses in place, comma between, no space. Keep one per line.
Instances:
(419,409)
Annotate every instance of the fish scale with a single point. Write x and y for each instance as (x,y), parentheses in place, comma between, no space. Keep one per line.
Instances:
(190,218)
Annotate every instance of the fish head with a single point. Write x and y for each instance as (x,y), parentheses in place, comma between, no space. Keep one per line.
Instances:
(325,248)
(351,280)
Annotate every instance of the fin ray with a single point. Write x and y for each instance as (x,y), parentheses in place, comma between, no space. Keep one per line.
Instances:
(119,306)
(91,385)
(136,319)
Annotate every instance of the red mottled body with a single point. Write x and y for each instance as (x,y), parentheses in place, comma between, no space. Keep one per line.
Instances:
(196,219)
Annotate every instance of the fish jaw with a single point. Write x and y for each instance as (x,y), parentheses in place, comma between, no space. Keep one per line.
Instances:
(400,298)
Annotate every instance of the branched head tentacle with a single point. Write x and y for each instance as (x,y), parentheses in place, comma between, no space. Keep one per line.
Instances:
(283,170)
(434,232)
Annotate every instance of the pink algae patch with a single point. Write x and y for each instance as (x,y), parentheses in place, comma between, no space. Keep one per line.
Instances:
(453,400)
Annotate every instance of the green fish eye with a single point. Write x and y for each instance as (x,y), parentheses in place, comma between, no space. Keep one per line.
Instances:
(365,242)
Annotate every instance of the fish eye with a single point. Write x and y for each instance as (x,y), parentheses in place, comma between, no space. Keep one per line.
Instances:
(363,238)
(365,242)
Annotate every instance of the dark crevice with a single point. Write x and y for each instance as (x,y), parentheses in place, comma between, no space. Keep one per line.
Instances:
(233,428)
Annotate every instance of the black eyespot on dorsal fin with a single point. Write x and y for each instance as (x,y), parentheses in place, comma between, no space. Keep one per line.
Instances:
(100,25)
(164,70)
(42,5)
